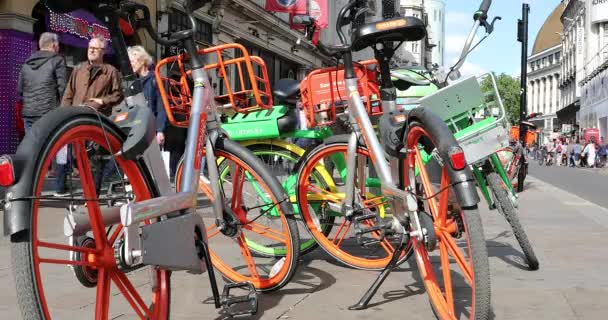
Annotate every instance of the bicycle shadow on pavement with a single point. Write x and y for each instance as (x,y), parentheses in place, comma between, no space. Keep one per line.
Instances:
(505,251)
(307,280)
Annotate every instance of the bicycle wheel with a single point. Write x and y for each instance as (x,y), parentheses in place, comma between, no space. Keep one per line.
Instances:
(281,158)
(46,289)
(507,209)
(460,287)
(321,205)
(256,209)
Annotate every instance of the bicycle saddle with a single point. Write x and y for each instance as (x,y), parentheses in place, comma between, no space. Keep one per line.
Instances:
(396,29)
(286,89)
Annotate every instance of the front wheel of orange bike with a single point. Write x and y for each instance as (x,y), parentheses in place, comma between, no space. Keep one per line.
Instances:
(452,258)
(257,210)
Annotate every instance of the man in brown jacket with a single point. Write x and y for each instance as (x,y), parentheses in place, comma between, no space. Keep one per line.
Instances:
(94,83)
(98,85)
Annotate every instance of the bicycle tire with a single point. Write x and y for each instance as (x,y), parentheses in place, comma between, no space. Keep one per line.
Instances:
(267,147)
(450,226)
(228,150)
(505,206)
(61,126)
(359,260)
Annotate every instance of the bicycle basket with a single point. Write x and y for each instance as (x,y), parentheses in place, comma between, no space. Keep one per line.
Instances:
(473,110)
(324,95)
(246,86)
(528,140)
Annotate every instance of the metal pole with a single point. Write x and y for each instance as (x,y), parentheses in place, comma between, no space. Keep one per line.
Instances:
(522,36)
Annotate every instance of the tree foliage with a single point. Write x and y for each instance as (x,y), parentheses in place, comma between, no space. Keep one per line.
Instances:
(508,88)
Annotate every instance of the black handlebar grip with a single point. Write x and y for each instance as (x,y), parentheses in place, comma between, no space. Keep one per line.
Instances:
(388,9)
(482,13)
(323,48)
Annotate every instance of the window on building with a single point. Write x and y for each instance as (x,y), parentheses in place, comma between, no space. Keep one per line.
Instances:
(415,47)
(402,11)
(544,63)
(551,59)
(557,57)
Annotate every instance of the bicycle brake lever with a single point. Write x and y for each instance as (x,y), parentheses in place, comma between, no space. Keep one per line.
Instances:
(490,26)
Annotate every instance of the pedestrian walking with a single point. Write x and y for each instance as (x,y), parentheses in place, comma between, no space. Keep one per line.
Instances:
(141,62)
(95,84)
(42,80)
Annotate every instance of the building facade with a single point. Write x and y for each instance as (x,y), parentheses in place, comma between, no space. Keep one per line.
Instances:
(436,16)
(21,23)
(417,53)
(544,73)
(593,80)
(246,22)
(573,52)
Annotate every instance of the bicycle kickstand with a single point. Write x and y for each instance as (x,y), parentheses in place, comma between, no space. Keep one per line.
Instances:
(369,294)
(232,305)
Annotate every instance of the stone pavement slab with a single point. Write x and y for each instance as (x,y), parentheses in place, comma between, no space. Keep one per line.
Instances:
(569,234)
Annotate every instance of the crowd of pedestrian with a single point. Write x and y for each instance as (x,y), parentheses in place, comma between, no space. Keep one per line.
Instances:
(572,153)
(43,86)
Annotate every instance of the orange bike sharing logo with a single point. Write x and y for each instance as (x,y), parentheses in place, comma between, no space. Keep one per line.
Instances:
(391,24)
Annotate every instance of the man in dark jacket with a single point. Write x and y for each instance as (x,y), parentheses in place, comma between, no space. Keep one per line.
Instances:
(42,80)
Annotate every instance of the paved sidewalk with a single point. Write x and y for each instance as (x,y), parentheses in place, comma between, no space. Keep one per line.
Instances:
(570,236)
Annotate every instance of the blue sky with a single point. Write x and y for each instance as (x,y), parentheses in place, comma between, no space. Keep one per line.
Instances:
(501,52)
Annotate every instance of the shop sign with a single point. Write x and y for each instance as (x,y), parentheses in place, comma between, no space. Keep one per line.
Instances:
(598,10)
(76,27)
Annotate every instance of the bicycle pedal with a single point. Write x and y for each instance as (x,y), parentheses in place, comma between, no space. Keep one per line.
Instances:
(244,305)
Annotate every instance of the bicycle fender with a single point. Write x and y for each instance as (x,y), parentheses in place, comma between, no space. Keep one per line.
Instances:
(463,181)
(137,121)
(27,159)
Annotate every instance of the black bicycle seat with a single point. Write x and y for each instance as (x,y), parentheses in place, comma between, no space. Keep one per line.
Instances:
(286,89)
(396,29)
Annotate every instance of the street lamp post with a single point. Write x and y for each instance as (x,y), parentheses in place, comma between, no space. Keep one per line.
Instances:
(522,36)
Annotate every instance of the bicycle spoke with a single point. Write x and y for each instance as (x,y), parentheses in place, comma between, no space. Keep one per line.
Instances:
(132,296)
(102,304)
(66,262)
(458,256)
(428,275)
(337,236)
(238,176)
(88,187)
(248,257)
(266,232)
(215,232)
(444,197)
(323,195)
(64,247)
(428,191)
(447,277)
(115,234)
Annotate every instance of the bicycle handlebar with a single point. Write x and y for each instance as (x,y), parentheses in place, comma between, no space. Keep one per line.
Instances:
(482,13)
(145,22)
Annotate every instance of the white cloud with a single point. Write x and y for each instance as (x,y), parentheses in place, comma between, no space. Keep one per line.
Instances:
(454,19)
(471,69)
(455,42)
(468,69)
